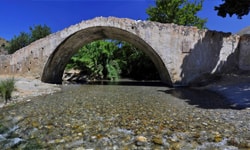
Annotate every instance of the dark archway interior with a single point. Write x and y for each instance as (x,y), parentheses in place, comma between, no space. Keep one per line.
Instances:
(57,62)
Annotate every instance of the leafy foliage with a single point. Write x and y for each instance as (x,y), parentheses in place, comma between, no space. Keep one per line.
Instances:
(18,42)
(6,88)
(111,59)
(24,39)
(181,12)
(113,70)
(231,7)
(38,32)
(97,59)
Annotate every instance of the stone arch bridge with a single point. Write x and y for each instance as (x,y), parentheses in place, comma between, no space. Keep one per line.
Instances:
(182,55)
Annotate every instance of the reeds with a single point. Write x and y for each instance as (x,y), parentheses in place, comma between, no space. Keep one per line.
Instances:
(6,88)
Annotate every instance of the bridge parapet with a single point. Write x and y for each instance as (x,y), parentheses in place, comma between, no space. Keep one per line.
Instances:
(181,54)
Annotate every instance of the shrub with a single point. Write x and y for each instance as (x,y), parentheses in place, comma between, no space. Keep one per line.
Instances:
(6,88)
(24,39)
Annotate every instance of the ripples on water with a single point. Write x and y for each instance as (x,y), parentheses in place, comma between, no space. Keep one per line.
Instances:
(125,115)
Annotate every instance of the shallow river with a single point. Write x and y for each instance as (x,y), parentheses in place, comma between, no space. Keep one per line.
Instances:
(125,117)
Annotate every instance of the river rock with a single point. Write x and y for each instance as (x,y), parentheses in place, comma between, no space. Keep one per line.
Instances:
(157,140)
(141,140)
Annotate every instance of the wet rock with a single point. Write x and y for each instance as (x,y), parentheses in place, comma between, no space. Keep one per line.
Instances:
(216,146)
(80,148)
(35,124)
(17,119)
(120,117)
(141,140)
(217,137)
(10,143)
(175,146)
(157,140)
(173,138)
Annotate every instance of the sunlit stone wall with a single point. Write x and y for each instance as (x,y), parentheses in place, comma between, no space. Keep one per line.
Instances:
(181,54)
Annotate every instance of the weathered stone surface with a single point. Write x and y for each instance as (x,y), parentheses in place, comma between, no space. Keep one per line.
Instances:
(244,56)
(181,54)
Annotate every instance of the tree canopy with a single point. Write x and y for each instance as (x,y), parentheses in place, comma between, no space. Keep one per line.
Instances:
(112,59)
(38,32)
(231,7)
(181,12)
(18,42)
(24,39)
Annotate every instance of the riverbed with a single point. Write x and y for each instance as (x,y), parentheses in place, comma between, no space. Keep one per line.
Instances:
(127,116)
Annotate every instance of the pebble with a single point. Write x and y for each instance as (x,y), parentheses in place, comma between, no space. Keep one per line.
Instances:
(141,139)
(157,140)
(124,117)
(217,137)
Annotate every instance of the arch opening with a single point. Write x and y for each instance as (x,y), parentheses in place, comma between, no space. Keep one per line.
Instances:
(108,59)
(54,68)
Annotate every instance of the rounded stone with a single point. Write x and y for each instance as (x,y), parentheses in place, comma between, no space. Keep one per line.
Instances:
(157,140)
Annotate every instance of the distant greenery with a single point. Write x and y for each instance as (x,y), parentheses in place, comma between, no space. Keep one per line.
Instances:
(111,59)
(138,65)
(38,32)
(181,12)
(97,60)
(18,42)
(24,39)
(6,88)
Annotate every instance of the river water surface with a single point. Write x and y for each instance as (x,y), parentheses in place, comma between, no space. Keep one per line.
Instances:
(125,116)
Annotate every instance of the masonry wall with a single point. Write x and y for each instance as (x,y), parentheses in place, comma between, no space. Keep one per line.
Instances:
(244,56)
(186,53)
(211,53)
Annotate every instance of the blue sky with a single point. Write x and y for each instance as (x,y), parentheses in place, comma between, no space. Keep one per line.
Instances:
(19,15)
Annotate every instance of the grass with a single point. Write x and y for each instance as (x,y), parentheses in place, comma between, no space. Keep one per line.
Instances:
(6,88)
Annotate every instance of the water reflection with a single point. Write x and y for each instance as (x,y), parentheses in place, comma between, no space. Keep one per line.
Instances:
(124,82)
(199,97)
(114,116)
(204,98)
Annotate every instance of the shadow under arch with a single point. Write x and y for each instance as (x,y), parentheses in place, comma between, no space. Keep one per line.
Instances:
(54,67)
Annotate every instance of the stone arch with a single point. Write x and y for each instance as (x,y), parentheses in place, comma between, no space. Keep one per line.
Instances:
(54,67)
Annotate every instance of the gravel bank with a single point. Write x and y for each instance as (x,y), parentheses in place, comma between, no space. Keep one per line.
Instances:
(26,88)
(132,117)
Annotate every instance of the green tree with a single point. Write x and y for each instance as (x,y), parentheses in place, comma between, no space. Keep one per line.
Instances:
(112,59)
(231,7)
(97,60)
(18,42)
(181,12)
(38,32)
(24,39)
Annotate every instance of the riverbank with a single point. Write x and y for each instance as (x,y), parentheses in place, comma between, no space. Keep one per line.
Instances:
(26,88)
(128,117)
(235,88)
